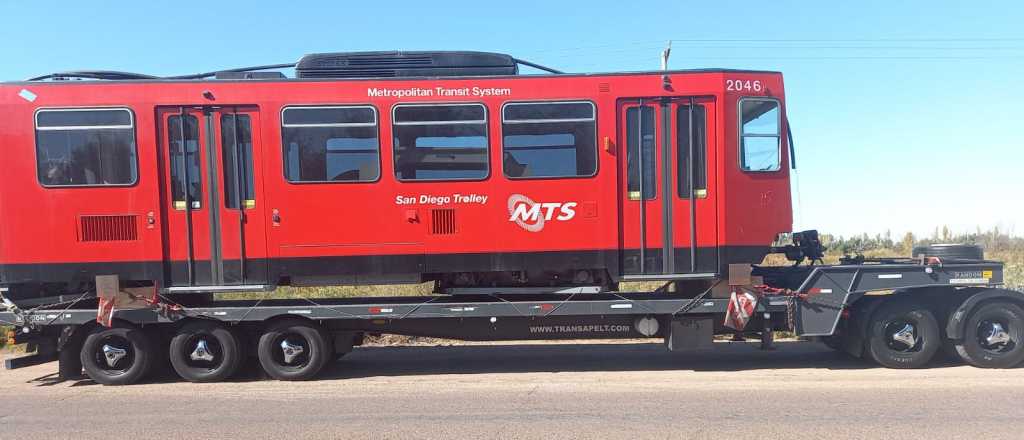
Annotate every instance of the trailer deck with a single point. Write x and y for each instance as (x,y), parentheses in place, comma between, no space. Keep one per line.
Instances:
(835,302)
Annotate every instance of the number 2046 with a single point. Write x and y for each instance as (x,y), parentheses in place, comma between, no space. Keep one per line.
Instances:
(739,85)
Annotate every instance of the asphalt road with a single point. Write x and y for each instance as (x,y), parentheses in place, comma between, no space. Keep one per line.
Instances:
(591,390)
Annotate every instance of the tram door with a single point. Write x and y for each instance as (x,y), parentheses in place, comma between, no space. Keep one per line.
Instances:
(212,208)
(669,220)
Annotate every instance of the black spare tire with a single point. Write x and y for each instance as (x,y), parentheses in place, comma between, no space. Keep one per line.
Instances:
(950,252)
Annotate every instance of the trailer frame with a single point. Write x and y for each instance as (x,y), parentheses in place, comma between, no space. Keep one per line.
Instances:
(827,295)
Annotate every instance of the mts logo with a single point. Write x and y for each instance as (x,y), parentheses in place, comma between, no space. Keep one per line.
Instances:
(531,215)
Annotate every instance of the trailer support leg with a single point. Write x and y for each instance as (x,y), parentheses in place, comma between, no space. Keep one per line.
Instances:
(767,333)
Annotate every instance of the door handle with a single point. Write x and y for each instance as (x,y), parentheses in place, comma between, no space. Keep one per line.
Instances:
(275,217)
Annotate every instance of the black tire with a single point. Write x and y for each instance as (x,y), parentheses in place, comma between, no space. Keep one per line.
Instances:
(903,318)
(136,355)
(951,252)
(218,359)
(974,348)
(316,351)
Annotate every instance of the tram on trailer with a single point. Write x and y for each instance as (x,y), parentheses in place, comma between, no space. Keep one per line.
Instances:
(525,199)
(474,180)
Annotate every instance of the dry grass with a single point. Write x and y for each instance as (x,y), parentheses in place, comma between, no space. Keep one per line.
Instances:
(286,292)
(1013,267)
(1013,262)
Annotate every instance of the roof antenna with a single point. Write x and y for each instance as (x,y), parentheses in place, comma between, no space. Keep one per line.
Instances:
(666,81)
(664,55)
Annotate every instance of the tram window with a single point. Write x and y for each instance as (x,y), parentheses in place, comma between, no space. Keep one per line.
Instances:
(440,142)
(549,139)
(190,132)
(759,135)
(700,176)
(236,146)
(86,147)
(330,144)
(633,135)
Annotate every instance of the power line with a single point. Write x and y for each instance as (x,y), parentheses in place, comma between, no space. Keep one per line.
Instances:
(776,52)
(932,48)
(846,40)
(788,40)
(863,57)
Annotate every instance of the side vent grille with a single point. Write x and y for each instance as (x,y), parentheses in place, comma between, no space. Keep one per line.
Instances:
(367,73)
(108,228)
(442,221)
(409,60)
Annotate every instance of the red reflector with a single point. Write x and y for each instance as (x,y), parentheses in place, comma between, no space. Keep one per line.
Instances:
(547,306)
(374,309)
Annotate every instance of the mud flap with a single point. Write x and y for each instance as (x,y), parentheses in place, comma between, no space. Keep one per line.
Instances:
(690,334)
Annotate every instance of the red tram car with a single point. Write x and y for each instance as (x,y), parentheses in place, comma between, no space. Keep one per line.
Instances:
(372,168)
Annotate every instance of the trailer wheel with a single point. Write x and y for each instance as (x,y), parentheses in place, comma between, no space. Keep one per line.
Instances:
(205,351)
(993,336)
(903,335)
(293,350)
(117,356)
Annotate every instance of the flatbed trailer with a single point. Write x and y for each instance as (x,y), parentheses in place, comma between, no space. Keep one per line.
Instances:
(897,312)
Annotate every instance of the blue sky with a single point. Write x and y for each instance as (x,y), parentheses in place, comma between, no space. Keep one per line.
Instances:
(906,114)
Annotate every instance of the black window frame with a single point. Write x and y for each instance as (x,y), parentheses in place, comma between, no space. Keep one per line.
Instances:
(247,180)
(593,118)
(486,121)
(651,158)
(174,160)
(740,134)
(376,125)
(683,167)
(134,136)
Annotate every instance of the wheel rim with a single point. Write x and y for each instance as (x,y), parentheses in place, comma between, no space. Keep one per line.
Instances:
(203,351)
(994,336)
(902,336)
(291,350)
(114,355)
